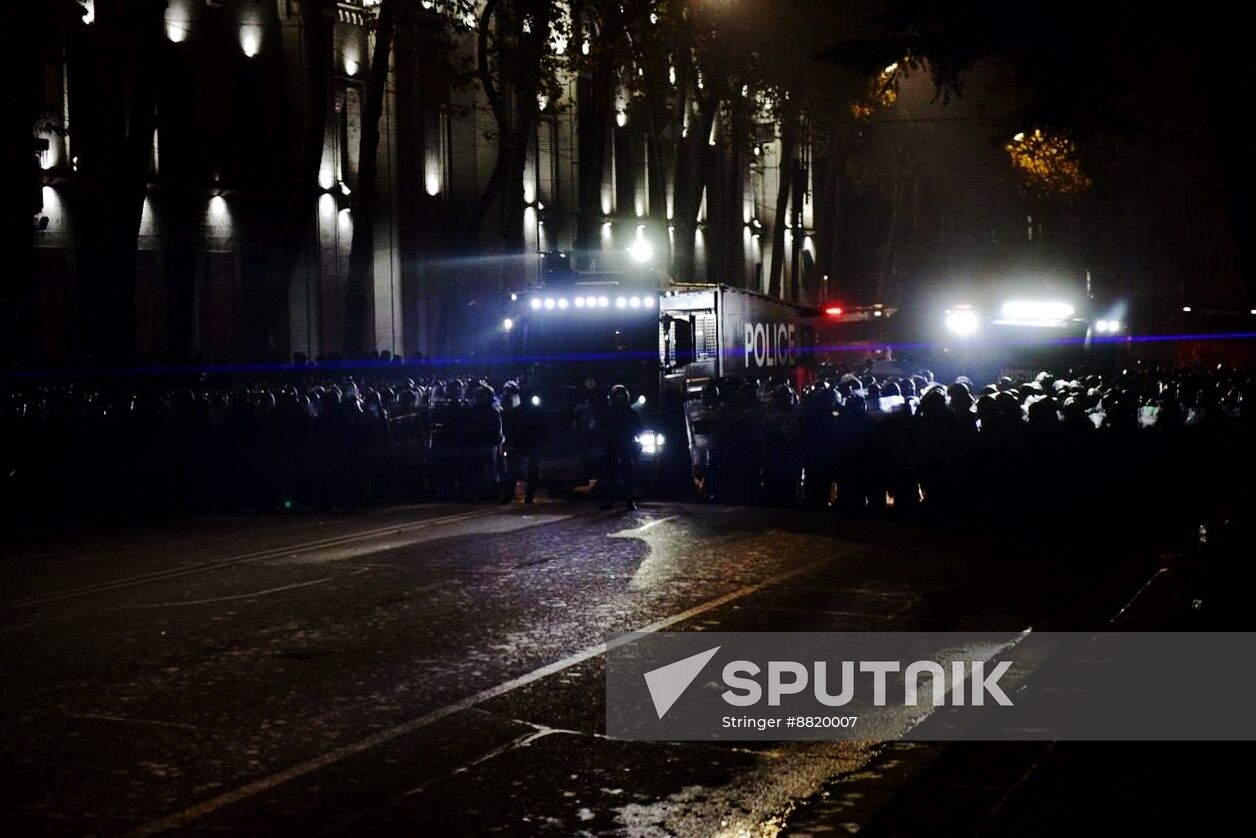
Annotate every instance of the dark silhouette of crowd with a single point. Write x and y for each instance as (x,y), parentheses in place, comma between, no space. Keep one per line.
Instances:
(293,442)
(1146,437)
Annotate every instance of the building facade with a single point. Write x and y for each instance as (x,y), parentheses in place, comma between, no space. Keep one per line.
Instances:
(235,86)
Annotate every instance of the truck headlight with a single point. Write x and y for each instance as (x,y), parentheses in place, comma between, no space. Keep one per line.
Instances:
(1036,310)
(650,442)
(962,321)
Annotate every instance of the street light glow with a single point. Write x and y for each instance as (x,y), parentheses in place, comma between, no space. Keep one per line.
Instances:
(641,250)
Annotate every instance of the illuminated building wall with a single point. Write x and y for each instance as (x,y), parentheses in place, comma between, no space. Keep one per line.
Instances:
(230,110)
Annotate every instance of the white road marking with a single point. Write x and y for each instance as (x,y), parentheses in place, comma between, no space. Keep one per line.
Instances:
(213,804)
(251,595)
(125,720)
(172,573)
(366,547)
(513,745)
(649,524)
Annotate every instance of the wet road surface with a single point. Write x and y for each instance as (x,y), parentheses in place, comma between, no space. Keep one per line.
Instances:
(438,669)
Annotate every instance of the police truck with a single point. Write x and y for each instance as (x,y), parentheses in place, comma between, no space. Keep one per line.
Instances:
(568,345)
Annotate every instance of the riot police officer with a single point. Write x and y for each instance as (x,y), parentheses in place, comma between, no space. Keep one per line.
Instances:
(620,428)
(485,440)
(522,425)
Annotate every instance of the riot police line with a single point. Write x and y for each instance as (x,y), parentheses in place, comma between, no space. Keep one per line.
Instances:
(282,443)
(1070,445)
(850,441)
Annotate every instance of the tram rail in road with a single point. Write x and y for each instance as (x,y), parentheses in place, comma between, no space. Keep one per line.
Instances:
(255,555)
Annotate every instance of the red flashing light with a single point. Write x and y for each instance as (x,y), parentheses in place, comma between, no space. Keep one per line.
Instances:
(833,311)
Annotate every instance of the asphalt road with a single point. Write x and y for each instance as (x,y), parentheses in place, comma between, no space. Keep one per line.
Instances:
(437,669)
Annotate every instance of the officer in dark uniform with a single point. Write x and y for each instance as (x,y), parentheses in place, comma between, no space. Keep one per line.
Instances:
(816,437)
(449,428)
(522,425)
(621,427)
(485,441)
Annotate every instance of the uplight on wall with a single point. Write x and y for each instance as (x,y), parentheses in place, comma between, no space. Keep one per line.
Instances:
(52,203)
(178,21)
(431,181)
(250,43)
(146,218)
(251,39)
(218,208)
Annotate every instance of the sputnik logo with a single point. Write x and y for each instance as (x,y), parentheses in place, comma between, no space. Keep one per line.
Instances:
(667,683)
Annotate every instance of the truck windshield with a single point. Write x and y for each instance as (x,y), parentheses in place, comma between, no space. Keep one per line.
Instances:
(607,346)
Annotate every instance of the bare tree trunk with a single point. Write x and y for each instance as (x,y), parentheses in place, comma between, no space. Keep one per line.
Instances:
(798,181)
(595,113)
(829,179)
(130,69)
(362,251)
(784,187)
(300,191)
(1232,147)
(43,27)
(657,159)
(513,198)
(527,87)
(501,115)
(891,236)
(733,245)
(691,174)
